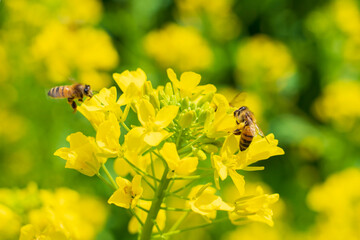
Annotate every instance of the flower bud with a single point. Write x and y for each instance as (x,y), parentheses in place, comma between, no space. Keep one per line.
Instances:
(200,154)
(169,89)
(206,98)
(154,100)
(210,148)
(204,115)
(186,119)
(148,88)
(185,103)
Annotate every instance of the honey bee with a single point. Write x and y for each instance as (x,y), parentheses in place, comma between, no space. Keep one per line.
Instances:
(247,127)
(71,92)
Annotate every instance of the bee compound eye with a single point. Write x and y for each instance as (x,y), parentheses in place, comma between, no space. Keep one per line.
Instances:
(86,89)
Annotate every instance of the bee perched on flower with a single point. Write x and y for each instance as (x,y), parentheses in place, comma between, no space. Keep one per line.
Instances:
(181,126)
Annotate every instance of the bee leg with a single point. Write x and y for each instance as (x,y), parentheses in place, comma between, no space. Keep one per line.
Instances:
(72,103)
(237,132)
(81,100)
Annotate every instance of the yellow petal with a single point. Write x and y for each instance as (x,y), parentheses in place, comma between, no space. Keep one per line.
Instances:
(154,138)
(230,146)
(238,181)
(120,198)
(146,112)
(107,136)
(172,76)
(165,116)
(220,167)
(170,155)
(189,80)
(187,165)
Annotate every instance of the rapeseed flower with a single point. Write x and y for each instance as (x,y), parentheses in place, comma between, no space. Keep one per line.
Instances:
(204,201)
(254,208)
(107,136)
(153,124)
(183,166)
(181,123)
(81,155)
(97,108)
(131,84)
(128,193)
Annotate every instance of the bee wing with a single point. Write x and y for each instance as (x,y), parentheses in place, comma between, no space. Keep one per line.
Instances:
(238,100)
(256,129)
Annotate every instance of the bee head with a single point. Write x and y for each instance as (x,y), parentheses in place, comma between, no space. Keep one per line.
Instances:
(87,91)
(240,110)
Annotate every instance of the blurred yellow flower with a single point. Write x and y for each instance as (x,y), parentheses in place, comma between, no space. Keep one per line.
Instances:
(340,217)
(223,22)
(179,47)
(254,208)
(131,84)
(154,124)
(183,166)
(81,155)
(338,104)
(64,215)
(128,193)
(204,201)
(13,126)
(4,64)
(10,223)
(263,61)
(346,16)
(65,51)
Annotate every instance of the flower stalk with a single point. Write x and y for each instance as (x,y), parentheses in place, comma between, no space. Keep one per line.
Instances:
(155,206)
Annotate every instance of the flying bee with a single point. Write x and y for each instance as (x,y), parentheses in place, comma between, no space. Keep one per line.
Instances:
(247,127)
(71,92)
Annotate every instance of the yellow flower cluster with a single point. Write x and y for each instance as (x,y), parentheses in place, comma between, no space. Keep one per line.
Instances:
(180,47)
(337,201)
(43,214)
(339,22)
(261,60)
(68,45)
(224,23)
(180,126)
(337,103)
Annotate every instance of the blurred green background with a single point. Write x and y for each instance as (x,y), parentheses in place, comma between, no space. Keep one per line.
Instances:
(298,62)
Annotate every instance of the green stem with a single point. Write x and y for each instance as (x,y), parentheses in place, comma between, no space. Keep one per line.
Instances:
(105,181)
(153,169)
(155,206)
(125,126)
(179,137)
(188,229)
(175,209)
(137,217)
(141,172)
(109,176)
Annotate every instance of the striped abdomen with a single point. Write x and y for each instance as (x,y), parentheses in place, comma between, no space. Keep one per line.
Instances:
(246,137)
(61,92)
